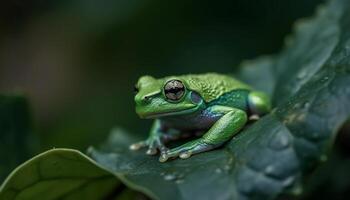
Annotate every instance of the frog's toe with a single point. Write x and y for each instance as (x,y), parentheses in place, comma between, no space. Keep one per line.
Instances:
(138,145)
(156,146)
(185,154)
(172,153)
(187,150)
(163,149)
(163,157)
(151,151)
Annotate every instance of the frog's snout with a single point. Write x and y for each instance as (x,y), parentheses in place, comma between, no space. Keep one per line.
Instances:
(142,99)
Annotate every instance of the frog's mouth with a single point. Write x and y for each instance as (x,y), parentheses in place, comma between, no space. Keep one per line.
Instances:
(167,113)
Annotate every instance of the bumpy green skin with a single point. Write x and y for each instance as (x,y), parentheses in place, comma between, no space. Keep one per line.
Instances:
(215,106)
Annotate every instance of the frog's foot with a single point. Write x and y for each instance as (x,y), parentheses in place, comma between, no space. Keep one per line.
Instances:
(186,150)
(153,144)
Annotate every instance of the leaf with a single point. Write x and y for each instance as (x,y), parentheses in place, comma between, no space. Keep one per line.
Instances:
(15,128)
(59,174)
(259,73)
(309,81)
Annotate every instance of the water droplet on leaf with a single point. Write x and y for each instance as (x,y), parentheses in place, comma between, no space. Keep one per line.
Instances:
(178,178)
(169,177)
(324,79)
(302,74)
(179,181)
(269,169)
(288,181)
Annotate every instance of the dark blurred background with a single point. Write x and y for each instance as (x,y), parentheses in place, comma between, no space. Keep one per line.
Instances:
(77,60)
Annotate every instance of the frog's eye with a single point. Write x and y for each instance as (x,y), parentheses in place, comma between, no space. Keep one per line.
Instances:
(174,90)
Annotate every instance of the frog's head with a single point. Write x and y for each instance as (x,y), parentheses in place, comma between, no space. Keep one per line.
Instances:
(165,97)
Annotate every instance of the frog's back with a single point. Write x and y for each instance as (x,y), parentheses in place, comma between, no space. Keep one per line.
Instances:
(212,86)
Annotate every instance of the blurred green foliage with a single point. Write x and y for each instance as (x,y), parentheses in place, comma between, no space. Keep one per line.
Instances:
(17,143)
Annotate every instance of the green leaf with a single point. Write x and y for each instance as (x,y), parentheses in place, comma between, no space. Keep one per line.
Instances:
(309,82)
(59,174)
(259,73)
(15,128)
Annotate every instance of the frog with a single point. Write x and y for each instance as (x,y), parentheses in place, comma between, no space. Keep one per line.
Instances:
(211,107)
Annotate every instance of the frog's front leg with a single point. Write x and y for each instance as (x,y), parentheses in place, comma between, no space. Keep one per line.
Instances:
(232,121)
(153,142)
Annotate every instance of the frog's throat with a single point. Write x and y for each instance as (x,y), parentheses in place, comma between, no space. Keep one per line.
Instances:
(171,113)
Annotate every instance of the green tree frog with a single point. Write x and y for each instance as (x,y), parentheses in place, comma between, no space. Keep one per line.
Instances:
(212,106)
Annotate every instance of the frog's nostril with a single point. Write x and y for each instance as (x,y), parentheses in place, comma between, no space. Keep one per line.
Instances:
(146,98)
(141,100)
